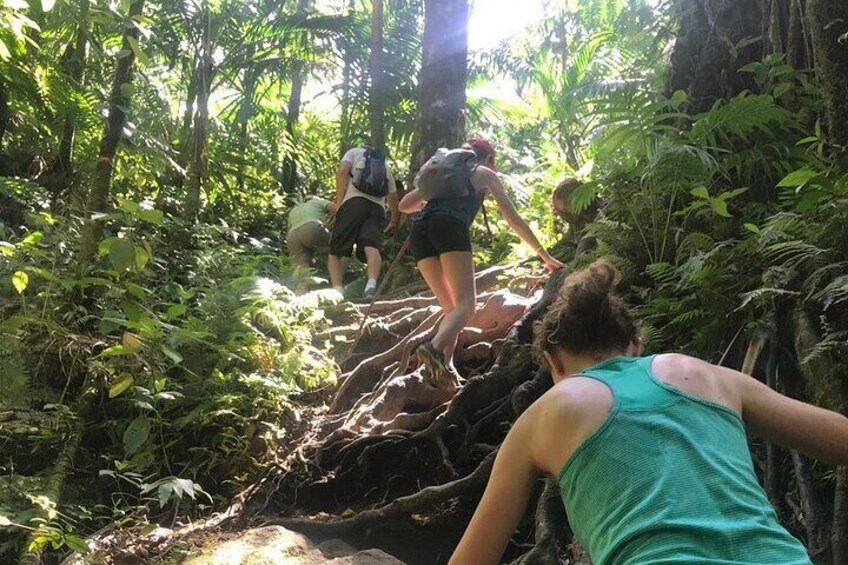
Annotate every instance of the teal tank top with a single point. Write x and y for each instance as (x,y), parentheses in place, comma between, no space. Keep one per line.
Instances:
(463,209)
(668,478)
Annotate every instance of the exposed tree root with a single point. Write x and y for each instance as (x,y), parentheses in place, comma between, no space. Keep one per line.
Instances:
(403,506)
(393,445)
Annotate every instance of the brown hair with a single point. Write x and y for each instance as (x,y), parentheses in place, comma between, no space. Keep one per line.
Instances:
(561,205)
(586,317)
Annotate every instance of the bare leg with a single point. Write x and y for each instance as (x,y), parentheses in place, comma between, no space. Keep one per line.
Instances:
(336,266)
(434,276)
(374,261)
(458,267)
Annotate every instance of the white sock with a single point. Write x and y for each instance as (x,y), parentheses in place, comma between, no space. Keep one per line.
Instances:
(371,284)
(339,289)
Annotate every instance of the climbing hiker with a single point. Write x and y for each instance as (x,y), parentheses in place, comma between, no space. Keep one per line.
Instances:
(449,191)
(649,453)
(307,232)
(364,185)
(578,241)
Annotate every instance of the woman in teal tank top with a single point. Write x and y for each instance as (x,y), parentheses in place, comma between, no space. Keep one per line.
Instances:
(650,453)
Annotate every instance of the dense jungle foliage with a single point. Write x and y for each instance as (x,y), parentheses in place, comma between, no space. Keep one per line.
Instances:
(154,355)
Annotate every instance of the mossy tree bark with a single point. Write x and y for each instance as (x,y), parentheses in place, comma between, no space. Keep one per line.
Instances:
(119,103)
(828,26)
(443,78)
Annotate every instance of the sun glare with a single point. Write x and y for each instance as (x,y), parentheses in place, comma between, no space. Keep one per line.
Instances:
(492,21)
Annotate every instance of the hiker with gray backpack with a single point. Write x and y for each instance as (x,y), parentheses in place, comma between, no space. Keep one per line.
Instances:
(364,185)
(448,193)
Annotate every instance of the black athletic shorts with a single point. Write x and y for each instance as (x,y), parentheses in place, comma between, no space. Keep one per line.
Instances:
(359,221)
(437,234)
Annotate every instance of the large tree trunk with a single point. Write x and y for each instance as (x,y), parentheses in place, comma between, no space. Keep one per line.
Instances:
(828,21)
(119,102)
(376,98)
(289,180)
(443,79)
(797,42)
(198,166)
(75,69)
(292,117)
(184,138)
(245,113)
(715,39)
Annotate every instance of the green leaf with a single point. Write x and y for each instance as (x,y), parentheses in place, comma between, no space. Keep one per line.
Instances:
(33,238)
(47,5)
(678,98)
(122,254)
(752,228)
(583,196)
(116,351)
(151,216)
(732,194)
(148,529)
(807,140)
(751,67)
(44,273)
(175,311)
(701,192)
(130,207)
(106,245)
(798,178)
(136,290)
(141,258)
(20,280)
(781,89)
(136,434)
(720,207)
(136,48)
(77,544)
(125,381)
(5,521)
(173,355)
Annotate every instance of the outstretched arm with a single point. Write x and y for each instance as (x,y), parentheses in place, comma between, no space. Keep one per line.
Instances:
(817,432)
(487,178)
(412,202)
(504,501)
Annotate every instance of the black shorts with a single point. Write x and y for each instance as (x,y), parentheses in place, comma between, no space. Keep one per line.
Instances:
(359,221)
(437,234)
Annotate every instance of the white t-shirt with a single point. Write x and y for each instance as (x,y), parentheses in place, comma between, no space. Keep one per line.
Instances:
(356,158)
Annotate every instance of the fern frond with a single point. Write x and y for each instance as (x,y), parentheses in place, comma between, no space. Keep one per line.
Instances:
(738,118)
(834,293)
(792,254)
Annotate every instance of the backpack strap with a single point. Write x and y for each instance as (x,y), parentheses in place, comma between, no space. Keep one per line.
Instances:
(486,219)
(473,191)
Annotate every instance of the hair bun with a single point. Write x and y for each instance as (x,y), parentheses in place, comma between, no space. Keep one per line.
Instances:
(604,275)
(587,315)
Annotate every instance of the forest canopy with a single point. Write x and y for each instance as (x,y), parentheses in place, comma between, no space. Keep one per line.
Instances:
(163,361)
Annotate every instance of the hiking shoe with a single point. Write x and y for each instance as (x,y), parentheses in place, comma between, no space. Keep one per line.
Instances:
(434,362)
(370,292)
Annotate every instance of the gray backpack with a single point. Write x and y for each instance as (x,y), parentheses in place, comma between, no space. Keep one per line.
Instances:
(447,174)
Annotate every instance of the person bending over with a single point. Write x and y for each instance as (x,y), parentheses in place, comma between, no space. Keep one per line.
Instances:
(307,234)
(650,453)
(441,246)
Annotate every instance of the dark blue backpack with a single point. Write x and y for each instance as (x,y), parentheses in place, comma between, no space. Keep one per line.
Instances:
(374,180)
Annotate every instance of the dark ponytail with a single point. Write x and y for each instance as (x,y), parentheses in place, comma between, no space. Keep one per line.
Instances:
(587,317)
